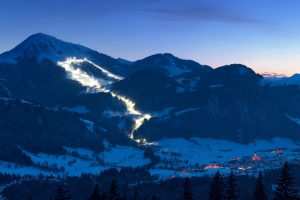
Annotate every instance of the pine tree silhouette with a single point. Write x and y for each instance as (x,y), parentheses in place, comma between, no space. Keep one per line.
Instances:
(154,197)
(187,194)
(113,191)
(259,191)
(232,188)
(285,186)
(216,187)
(97,194)
(62,193)
(135,196)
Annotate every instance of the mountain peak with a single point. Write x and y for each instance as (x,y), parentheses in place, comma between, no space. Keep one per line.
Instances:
(171,64)
(237,69)
(296,76)
(42,46)
(40,36)
(234,73)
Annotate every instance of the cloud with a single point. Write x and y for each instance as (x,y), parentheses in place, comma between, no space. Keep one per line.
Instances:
(202,11)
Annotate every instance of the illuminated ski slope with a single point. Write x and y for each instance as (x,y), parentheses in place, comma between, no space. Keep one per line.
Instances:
(87,80)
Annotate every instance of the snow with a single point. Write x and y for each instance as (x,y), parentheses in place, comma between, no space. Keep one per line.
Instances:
(164,174)
(13,168)
(124,156)
(102,129)
(84,78)
(179,157)
(112,114)
(77,109)
(69,165)
(106,144)
(89,81)
(8,92)
(282,81)
(204,151)
(185,111)
(106,72)
(294,119)
(180,90)
(216,85)
(203,156)
(89,124)
(193,83)
(163,114)
(175,70)
(78,161)
(81,151)
(190,83)
(44,46)
(78,75)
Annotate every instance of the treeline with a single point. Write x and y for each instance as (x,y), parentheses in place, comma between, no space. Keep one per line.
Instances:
(221,188)
(284,189)
(138,183)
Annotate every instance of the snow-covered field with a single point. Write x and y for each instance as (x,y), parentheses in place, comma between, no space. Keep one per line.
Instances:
(179,157)
(201,156)
(12,168)
(78,161)
(123,156)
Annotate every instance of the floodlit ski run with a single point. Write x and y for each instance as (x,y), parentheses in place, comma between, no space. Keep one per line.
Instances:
(89,81)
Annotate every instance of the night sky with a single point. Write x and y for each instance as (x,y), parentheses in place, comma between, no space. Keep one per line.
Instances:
(263,34)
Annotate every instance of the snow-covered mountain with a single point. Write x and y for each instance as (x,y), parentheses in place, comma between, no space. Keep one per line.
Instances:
(42,46)
(149,100)
(172,65)
(282,81)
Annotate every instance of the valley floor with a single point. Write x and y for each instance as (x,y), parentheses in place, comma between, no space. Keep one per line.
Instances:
(178,157)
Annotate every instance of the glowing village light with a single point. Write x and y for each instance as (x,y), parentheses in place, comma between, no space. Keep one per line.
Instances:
(212,167)
(255,157)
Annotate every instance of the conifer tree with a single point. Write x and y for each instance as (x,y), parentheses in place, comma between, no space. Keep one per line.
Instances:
(216,187)
(232,188)
(136,196)
(259,191)
(97,194)
(187,194)
(113,191)
(62,193)
(154,197)
(285,186)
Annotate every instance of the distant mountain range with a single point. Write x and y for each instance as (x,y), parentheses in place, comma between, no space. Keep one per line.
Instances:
(293,80)
(184,98)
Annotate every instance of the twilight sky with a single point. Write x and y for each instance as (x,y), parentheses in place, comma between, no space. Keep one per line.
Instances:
(263,34)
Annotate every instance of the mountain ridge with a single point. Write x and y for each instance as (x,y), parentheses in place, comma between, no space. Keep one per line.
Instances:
(230,93)
(37,42)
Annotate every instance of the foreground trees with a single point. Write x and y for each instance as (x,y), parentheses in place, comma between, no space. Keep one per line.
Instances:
(113,191)
(232,188)
(220,189)
(259,191)
(187,194)
(285,186)
(62,193)
(216,189)
(97,194)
